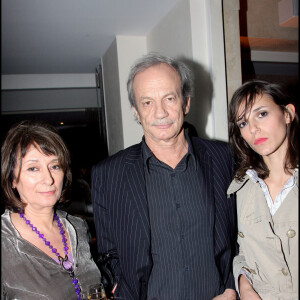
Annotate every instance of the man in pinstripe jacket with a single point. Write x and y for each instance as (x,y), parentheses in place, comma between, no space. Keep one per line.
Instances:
(160,207)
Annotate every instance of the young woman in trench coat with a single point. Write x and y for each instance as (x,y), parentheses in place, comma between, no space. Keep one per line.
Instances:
(262,129)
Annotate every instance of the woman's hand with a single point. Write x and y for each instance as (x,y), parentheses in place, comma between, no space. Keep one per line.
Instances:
(246,290)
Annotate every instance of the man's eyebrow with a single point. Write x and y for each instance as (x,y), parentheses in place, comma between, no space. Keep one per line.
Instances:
(146,98)
(165,95)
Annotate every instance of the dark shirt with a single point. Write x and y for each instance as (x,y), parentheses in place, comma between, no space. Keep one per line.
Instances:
(177,214)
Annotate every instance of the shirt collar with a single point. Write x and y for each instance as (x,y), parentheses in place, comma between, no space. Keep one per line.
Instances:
(254,177)
(147,153)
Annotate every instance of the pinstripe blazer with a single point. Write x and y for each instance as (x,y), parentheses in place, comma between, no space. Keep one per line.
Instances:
(122,220)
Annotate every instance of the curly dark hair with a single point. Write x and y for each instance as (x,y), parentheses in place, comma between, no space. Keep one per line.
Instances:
(246,157)
(15,146)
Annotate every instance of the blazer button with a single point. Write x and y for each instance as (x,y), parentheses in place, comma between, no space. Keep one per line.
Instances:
(241,234)
(253,271)
(284,271)
(291,233)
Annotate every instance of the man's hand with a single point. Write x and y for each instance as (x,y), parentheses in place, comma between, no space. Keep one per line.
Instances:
(246,290)
(229,294)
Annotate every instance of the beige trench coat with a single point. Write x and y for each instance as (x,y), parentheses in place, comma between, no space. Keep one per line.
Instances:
(268,245)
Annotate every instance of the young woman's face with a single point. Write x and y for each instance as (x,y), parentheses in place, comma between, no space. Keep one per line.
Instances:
(264,126)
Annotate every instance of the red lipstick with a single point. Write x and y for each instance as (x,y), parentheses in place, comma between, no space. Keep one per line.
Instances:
(260,141)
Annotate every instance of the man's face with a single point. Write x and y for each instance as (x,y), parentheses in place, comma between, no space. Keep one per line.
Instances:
(159,103)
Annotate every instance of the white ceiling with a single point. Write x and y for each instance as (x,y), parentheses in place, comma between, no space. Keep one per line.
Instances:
(70,36)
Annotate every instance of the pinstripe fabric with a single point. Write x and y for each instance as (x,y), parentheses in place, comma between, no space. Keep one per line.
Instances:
(122,219)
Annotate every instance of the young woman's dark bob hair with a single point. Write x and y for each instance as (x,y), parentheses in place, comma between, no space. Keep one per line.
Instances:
(15,146)
(246,157)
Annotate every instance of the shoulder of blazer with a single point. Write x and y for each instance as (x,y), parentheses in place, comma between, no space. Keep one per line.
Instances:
(218,156)
(113,169)
(128,156)
(211,147)
(115,165)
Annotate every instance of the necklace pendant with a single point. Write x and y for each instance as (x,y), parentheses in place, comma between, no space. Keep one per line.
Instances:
(60,258)
(66,264)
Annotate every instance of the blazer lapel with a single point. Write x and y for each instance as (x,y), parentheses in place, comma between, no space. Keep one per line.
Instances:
(135,182)
(205,174)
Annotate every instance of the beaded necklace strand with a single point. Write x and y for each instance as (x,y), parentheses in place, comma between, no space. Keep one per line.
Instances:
(65,264)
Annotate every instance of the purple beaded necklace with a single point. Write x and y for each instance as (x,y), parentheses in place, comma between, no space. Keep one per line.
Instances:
(65,264)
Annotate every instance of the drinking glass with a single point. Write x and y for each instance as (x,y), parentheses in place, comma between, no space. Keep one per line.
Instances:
(96,292)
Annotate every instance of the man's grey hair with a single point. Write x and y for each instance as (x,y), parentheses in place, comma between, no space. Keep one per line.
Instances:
(152,59)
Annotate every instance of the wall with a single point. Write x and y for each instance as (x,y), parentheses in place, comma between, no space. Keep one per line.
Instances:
(216,50)
(232,46)
(123,131)
(130,48)
(112,100)
(172,35)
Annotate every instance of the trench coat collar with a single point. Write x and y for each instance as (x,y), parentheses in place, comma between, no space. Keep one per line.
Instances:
(237,185)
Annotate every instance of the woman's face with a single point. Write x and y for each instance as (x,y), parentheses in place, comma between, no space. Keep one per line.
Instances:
(264,126)
(40,179)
